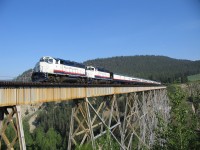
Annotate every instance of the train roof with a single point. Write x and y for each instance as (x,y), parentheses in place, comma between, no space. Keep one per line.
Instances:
(102,69)
(70,63)
(138,78)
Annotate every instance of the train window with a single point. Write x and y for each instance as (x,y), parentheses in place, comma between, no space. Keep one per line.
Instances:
(46,60)
(57,61)
(89,68)
(61,62)
(50,61)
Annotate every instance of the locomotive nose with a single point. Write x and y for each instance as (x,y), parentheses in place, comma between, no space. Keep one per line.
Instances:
(38,68)
(35,69)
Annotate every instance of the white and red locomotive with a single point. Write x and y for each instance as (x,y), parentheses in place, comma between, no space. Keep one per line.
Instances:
(50,69)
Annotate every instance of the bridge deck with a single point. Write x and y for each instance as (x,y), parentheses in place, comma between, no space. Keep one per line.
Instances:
(31,94)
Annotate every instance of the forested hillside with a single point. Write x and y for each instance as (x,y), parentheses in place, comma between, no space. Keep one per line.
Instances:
(160,68)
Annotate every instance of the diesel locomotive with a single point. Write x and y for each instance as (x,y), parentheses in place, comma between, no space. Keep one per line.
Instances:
(50,69)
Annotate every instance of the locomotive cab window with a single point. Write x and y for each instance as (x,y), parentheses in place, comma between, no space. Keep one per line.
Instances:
(50,61)
(90,68)
(57,62)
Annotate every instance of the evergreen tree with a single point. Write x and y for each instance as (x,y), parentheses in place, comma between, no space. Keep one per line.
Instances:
(179,133)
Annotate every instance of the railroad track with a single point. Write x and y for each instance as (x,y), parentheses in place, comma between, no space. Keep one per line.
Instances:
(46,84)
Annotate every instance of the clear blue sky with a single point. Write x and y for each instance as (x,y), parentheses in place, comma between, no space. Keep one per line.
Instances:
(87,29)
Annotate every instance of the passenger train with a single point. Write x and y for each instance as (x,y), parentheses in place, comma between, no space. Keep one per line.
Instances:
(50,69)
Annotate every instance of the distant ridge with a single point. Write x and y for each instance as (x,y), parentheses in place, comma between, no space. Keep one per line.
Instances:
(160,68)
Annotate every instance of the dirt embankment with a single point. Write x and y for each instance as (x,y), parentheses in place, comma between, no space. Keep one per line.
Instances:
(30,112)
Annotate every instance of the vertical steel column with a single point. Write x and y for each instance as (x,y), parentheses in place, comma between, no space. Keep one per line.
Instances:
(124,128)
(90,123)
(20,129)
(71,130)
(127,135)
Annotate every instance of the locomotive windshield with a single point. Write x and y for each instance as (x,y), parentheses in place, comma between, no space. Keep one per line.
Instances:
(47,60)
(90,68)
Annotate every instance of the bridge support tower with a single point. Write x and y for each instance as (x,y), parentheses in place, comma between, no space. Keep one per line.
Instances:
(121,115)
(11,128)
(120,118)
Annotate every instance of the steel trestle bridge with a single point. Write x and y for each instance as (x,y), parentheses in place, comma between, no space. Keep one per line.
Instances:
(96,111)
